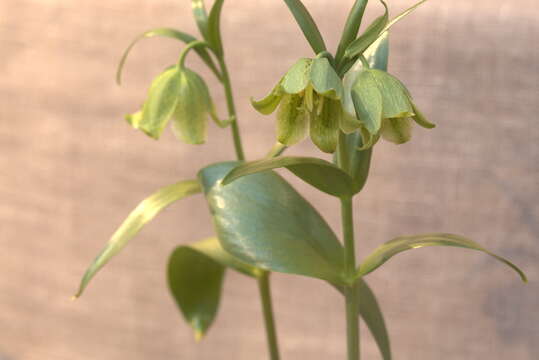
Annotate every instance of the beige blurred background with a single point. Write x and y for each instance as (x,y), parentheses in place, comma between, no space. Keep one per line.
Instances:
(71,169)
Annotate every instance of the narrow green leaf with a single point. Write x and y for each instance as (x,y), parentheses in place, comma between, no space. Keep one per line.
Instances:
(402,16)
(195,273)
(307,25)
(201,17)
(372,315)
(169,33)
(402,243)
(195,281)
(214,27)
(370,312)
(319,173)
(262,221)
(351,27)
(375,29)
(139,217)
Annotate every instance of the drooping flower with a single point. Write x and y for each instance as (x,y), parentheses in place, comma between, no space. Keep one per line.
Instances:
(383,107)
(181,95)
(309,98)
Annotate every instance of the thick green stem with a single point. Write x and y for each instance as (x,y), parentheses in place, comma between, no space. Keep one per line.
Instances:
(265,297)
(231,110)
(350,290)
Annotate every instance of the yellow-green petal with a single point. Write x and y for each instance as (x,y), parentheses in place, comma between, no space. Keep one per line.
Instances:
(397,131)
(420,119)
(325,127)
(268,104)
(298,77)
(292,122)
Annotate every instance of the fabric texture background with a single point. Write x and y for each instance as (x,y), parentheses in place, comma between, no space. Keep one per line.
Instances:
(72,169)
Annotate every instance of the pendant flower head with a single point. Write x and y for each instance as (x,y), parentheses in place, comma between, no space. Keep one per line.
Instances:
(309,99)
(182,95)
(384,107)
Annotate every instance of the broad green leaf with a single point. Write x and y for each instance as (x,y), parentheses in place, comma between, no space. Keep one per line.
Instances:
(195,274)
(351,27)
(319,173)
(307,25)
(375,29)
(139,217)
(201,17)
(195,281)
(370,312)
(262,221)
(169,33)
(161,103)
(402,243)
(214,27)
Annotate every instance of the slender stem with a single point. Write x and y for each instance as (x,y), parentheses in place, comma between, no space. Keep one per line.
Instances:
(265,296)
(189,47)
(350,291)
(231,109)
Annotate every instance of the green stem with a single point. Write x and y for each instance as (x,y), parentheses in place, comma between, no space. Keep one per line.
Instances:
(231,109)
(189,47)
(350,290)
(265,296)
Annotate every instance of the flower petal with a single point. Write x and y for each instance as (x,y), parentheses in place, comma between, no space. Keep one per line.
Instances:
(292,121)
(325,126)
(397,131)
(367,101)
(298,77)
(191,113)
(268,104)
(325,80)
(420,118)
(395,97)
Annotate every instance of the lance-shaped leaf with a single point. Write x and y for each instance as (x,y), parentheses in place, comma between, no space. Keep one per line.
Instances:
(201,17)
(264,222)
(351,27)
(402,243)
(307,25)
(195,275)
(375,29)
(370,312)
(168,33)
(214,27)
(139,217)
(319,173)
(402,16)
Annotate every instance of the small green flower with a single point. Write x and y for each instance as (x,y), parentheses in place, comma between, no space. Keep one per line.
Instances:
(309,98)
(182,95)
(384,107)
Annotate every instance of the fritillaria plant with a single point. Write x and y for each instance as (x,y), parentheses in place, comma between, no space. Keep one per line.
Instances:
(345,102)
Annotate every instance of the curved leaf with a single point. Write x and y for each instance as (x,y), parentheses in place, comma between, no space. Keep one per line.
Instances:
(214,27)
(139,217)
(201,17)
(402,16)
(307,25)
(402,243)
(264,222)
(195,273)
(375,29)
(169,33)
(319,173)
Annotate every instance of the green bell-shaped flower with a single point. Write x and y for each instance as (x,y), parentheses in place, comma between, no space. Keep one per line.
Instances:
(384,107)
(309,97)
(182,95)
